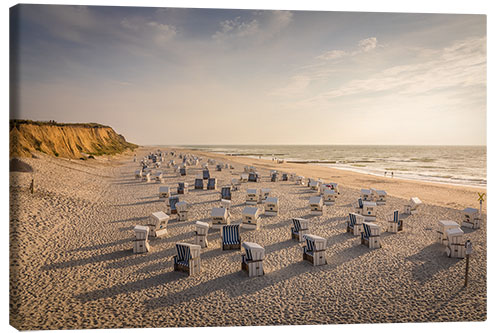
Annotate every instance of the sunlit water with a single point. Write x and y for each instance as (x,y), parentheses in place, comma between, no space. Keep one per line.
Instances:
(464,165)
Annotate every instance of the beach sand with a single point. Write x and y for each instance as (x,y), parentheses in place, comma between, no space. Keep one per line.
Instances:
(72,264)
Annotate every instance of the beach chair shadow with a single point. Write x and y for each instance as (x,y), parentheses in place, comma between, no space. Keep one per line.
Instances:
(129,288)
(102,246)
(116,255)
(132,219)
(430,261)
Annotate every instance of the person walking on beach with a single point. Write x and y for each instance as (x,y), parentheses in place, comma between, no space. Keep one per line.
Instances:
(392,174)
(385,173)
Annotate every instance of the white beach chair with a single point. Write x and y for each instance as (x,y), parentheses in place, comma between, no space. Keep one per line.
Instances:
(471,218)
(253,196)
(329,197)
(188,258)
(367,209)
(381,197)
(366,195)
(315,250)
(250,218)
(252,259)
(316,205)
(219,217)
(158,224)
(271,206)
(201,233)
(413,205)
(141,242)
(244,177)
(182,210)
(164,192)
(444,225)
(456,245)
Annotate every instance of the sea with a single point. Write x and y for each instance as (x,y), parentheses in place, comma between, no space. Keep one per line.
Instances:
(459,165)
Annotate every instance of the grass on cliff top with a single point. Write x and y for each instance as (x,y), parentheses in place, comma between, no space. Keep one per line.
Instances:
(16,122)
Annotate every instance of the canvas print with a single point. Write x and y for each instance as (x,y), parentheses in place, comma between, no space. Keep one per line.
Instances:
(182,167)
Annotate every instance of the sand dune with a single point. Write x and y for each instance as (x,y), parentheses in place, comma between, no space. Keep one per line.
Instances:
(72,264)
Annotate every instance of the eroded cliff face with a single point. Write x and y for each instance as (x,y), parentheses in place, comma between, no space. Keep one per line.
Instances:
(65,140)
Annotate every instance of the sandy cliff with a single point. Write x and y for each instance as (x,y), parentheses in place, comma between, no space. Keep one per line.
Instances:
(65,140)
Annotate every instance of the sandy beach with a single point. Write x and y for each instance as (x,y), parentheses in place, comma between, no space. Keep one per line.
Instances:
(72,264)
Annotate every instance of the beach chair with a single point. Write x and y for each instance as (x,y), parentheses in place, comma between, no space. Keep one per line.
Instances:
(187,258)
(300,227)
(138,174)
(225,204)
(456,245)
(253,196)
(182,188)
(251,219)
(235,184)
(244,177)
(225,193)
(471,218)
(201,233)
(264,194)
(314,185)
(367,209)
(230,237)
(355,223)
(381,197)
(141,242)
(206,174)
(299,180)
(159,178)
(212,184)
(315,250)
(252,259)
(198,184)
(284,177)
(396,223)
(182,210)
(172,209)
(147,178)
(413,205)
(253,177)
(219,217)
(274,177)
(218,167)
(444,225)
(158,224)
(164,192)
(366,195)
(329,197)
(271,206)
(370,236)
(316,205)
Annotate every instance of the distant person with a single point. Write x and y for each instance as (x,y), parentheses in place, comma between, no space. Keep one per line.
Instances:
(392,174)
(385,173)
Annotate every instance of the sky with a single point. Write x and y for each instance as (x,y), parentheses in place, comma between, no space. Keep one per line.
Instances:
(213,76)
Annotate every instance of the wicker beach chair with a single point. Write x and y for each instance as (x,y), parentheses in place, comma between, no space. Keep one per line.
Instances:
(230,237)
(188,258)
(315,249)
(252,259)
(299,228)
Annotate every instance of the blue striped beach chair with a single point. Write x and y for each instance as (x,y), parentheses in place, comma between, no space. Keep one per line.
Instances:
(198,184)
(253,177)
(370,236)
(212,184)
(351,222)
(182,188)
(274,177)
(231,239)
(284,177)
(315,249)
(182,171)
(187,258)
(206,174)
(396,224)
(172,201)
(225,193)
(299,228)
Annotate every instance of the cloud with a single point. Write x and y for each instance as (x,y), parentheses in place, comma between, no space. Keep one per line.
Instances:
(367,44)
(262,25)
(364,45)
(236,28)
